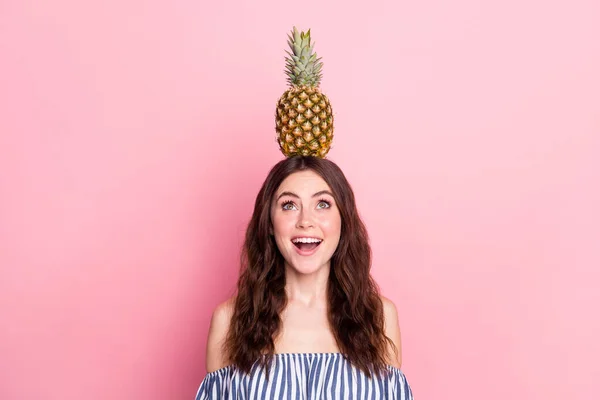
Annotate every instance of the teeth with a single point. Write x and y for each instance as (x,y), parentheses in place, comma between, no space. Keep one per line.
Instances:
(307,240)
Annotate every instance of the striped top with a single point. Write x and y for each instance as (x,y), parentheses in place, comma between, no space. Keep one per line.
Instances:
(304,376)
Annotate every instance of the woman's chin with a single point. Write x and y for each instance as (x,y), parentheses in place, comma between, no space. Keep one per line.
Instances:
(307,268)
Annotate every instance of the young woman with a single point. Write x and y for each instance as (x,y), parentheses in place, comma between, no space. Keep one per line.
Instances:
(307,321)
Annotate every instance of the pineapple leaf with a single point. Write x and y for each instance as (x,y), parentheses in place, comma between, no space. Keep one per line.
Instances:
(297,36)
(303,67)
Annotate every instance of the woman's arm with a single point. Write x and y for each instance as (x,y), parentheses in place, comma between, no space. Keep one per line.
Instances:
(219,326)
(392,331)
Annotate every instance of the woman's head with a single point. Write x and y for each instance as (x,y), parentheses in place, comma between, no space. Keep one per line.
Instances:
(305,206)
(305,221)
(307,198)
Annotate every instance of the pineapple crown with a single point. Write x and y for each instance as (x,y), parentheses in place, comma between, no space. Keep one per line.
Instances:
(303,68)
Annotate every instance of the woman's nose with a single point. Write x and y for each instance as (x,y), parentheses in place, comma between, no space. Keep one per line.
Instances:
(305,219)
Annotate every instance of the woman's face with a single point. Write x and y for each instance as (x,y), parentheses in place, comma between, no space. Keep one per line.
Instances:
(306,221)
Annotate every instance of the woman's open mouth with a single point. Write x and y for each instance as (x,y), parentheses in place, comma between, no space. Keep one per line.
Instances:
(306,245)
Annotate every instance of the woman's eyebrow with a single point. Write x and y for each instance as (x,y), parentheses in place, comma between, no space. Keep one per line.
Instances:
(291,194)
(322,192)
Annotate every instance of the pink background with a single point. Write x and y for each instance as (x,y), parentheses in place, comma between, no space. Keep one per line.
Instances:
(134,136)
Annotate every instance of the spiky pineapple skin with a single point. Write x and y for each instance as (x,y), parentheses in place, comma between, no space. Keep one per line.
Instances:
(304,122)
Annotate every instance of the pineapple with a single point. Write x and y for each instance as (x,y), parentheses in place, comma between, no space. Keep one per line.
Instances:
(303,120)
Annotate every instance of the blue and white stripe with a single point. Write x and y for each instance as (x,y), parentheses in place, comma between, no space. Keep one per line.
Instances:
(304,376)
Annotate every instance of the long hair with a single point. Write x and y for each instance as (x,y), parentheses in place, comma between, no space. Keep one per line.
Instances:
(355,309)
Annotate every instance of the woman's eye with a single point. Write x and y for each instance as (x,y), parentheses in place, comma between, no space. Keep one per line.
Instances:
(323,204)
(288,206)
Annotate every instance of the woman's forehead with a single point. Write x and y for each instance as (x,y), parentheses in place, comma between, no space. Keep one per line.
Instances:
(303,183)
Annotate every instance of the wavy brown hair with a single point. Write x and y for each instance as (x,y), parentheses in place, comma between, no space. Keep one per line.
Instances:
(354,306)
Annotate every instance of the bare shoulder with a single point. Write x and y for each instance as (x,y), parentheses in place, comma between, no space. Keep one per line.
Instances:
(392,331)
(219,326)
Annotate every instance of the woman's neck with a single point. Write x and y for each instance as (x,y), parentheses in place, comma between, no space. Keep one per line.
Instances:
(308,289)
